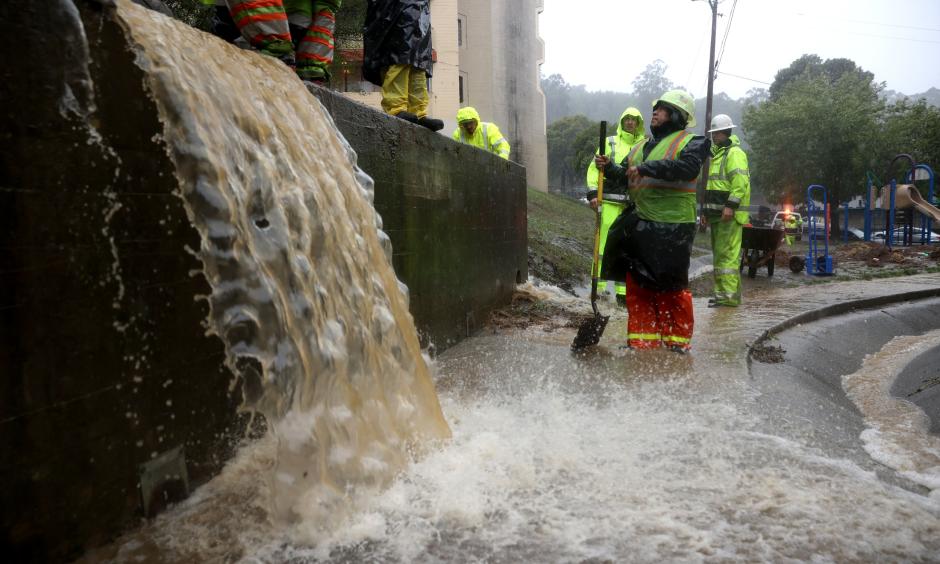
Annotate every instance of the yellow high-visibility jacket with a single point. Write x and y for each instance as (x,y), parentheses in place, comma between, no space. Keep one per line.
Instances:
(486,136)
(618,145)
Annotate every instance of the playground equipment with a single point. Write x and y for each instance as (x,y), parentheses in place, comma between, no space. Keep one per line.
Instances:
(818,264)
(900,204)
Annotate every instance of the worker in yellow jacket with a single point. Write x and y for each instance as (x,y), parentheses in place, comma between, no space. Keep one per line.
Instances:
(482,134)
(727,198)
(629,133)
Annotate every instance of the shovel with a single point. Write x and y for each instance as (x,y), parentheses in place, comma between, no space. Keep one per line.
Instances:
(590,331)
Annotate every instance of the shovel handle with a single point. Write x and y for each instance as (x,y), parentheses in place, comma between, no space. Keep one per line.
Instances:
(597,219)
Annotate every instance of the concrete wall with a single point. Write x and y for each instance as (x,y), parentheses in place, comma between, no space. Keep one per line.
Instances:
(456,216)
(104,358)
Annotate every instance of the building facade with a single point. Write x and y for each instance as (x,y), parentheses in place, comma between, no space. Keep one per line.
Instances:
(500,54)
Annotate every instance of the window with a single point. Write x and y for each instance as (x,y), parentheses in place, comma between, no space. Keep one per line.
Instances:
(461,30)
(461,88)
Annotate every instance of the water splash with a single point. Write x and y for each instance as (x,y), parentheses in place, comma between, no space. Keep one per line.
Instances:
(898,434)
(303,293)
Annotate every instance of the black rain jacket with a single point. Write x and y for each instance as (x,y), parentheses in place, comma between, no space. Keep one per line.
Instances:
(656,254)
(396,32)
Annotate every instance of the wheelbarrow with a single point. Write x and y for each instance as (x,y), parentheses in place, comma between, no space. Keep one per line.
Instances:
(759,248)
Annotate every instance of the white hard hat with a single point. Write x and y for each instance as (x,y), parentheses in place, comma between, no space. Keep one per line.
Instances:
(721,122)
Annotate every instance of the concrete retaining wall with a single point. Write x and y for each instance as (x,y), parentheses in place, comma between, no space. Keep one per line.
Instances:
(456,216)
(104,359)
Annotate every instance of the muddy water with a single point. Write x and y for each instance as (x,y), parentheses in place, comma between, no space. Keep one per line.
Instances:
(610,456)
(303,294)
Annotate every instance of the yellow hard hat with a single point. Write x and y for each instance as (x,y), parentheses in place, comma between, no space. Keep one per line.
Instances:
(682,101)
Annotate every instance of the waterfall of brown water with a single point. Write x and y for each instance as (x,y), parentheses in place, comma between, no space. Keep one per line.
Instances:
(299,268)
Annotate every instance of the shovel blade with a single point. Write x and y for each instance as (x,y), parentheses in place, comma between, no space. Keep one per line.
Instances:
(590,331)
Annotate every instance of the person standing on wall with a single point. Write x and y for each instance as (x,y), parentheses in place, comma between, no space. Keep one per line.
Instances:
(661,172)
(482,134)
(397,56)
(727,197)
(298,32)
(629,133)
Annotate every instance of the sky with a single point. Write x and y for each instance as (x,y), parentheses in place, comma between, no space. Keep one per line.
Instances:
(897,40)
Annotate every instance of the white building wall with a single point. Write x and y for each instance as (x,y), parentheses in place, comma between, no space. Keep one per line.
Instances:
(444,95)
(500,61)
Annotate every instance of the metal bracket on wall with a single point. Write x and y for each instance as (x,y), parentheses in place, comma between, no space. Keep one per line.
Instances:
(163,480)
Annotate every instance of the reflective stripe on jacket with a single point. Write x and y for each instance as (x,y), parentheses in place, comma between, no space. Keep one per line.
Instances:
(729,182)
(665,201)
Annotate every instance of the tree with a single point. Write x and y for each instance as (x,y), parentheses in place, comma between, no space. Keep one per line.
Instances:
(652,81)
(912,128)
(755,96)
(818,127)
(556,91)
(650,84)
(569,140)
(193,12)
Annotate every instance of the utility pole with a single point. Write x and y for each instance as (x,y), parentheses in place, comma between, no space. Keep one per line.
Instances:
(703,178)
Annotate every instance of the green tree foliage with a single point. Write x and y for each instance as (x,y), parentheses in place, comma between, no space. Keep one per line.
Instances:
(652,81)
(571,143)
(193,12)
(819,126)
(563,99)
(349,21)
(557,97)
(913,128)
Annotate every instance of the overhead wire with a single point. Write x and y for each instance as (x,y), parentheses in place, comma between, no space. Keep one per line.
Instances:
(881,24)
(744,77)
(724,39)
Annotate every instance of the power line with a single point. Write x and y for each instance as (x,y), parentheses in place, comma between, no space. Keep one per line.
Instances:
(878,23)
(885,36)
(724,39)
(744,77)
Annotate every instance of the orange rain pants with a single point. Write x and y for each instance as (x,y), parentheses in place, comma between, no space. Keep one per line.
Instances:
(658,318)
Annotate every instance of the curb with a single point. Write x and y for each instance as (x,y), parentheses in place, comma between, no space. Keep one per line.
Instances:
(838,309)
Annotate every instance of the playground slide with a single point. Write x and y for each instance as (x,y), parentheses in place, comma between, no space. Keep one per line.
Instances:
(907,196)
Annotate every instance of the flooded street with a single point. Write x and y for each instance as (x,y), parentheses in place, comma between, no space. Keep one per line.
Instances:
(612,456)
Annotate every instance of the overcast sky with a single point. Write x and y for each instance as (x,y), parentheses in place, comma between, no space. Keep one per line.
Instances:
(605,44)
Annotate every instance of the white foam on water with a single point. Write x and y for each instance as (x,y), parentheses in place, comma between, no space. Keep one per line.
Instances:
(642,474)
(898,434)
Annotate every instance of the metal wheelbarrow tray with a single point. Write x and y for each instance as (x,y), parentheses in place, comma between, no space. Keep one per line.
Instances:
(759,248)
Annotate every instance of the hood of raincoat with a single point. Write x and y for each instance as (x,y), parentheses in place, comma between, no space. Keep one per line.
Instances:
(466,114)
(733,140)
(638,133)
(396,32)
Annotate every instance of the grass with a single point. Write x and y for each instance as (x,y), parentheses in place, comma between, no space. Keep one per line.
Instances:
(561,239)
